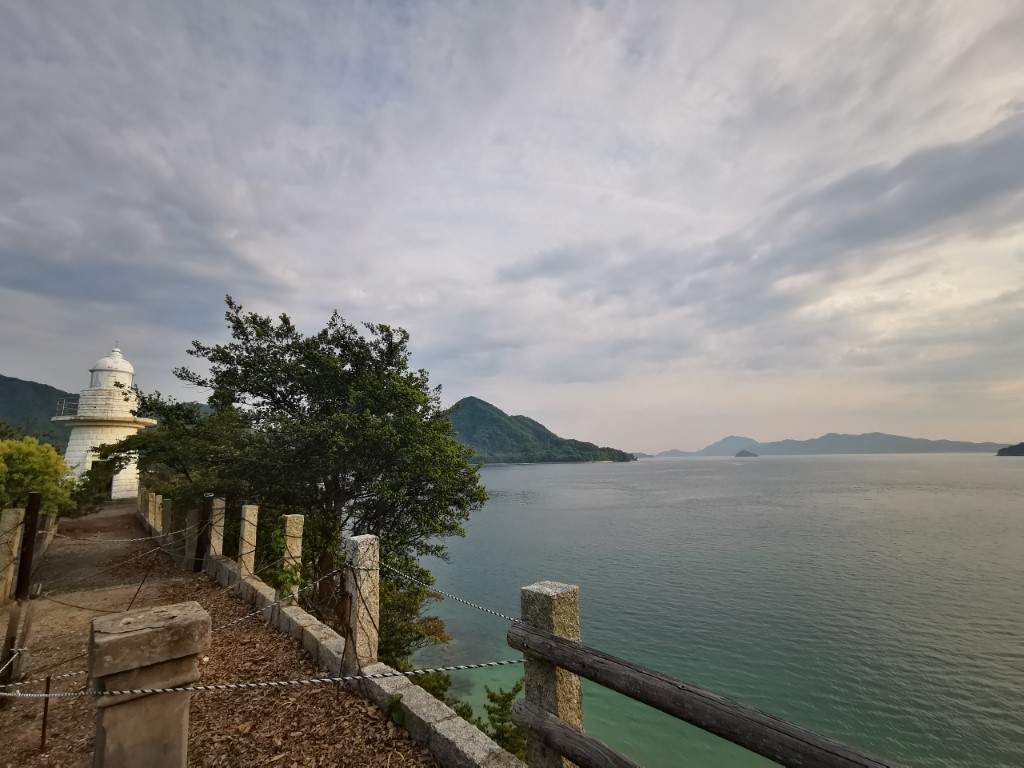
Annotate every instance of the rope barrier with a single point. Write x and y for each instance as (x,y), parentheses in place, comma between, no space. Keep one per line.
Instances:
(65,587)
(16,652)
(257,685)
(83,540)
(43,679)
(79,607)
(276,602)
(12,529)
(446,594)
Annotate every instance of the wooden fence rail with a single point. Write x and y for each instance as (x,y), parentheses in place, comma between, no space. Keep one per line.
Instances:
(776,739)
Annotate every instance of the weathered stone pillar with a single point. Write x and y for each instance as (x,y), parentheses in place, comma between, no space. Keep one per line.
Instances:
(247,540)
(156,507)
(217,527)
(191,538)
(10,543)
(293,548)
(166,524)
(362,585)
(148,648)
(554,608)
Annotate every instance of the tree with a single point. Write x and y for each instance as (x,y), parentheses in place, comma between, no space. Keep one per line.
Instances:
(499,725)
(335,426)
(342,428)
(9,431)
(27,466)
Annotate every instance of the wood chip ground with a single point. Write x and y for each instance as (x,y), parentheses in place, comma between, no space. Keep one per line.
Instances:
(289,727)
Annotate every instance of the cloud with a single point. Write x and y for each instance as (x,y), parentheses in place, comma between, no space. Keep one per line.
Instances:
(553,197)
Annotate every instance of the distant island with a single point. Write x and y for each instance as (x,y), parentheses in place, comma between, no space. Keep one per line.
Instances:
(1011,450)
(745,454)
(833,443)
(502,439)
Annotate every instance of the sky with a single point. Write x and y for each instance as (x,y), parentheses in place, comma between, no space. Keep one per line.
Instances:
(644,224)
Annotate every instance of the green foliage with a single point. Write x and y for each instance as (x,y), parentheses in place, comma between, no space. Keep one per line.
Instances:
(499,725)
(497,437)
(393,710)
(284,580)
(334,426)
(404,627)
(27,466)
(93,487)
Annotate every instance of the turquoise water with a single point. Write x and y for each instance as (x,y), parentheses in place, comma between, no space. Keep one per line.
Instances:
(876,599)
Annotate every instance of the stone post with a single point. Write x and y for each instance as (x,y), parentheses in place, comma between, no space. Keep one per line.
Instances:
(148,648)
(166,524)
(156,507)
(362,585)
(247,540)
(191,538)
(178,518)
(554,608)
(217,527)
(10,543)
(293,548)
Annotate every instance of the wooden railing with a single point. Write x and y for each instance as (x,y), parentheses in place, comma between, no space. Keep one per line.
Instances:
(550,738)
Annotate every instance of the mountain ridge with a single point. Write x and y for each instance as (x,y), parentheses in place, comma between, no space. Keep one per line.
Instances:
(833,443)
(29,406)
(499,438)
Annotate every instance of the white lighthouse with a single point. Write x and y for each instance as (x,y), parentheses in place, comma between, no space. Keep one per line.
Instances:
(103,415)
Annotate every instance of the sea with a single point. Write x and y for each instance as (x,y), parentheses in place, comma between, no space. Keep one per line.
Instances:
(876,599)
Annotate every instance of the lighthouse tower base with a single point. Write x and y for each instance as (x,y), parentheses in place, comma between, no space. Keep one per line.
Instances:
(103,415)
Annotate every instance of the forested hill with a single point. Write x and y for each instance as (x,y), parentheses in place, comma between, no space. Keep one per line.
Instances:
(500,438)
(874,442)
(29,406)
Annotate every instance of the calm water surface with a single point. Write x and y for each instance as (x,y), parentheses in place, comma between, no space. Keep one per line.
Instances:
(876,599)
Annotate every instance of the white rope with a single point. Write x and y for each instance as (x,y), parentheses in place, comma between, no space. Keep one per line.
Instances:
(276,602)
(446,594)
(15,653)
(259,685)
(43,679)
(82,540)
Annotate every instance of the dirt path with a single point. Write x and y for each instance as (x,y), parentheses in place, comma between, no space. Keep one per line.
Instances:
(83,577)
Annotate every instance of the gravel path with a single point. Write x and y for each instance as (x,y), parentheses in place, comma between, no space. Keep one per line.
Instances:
(315,726)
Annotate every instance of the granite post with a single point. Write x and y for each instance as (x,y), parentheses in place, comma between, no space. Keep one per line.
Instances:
(362,585)
(10,543)
(165,514)
(217,527)
(156,511)
(191,538)
(293,548)
(247,540)
(149,648)
(555,608)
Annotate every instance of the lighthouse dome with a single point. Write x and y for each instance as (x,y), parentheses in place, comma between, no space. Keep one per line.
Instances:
(112,369)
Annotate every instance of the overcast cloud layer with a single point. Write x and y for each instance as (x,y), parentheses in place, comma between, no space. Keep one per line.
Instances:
(644,224)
